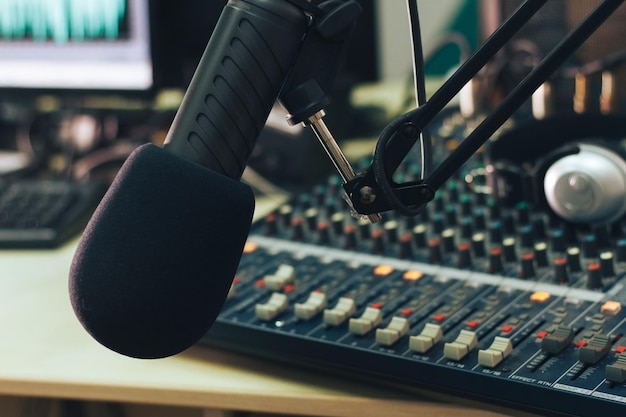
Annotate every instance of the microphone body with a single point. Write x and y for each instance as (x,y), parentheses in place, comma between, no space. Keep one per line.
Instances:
(156,261)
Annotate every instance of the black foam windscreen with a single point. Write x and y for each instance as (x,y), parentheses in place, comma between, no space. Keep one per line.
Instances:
(155,263)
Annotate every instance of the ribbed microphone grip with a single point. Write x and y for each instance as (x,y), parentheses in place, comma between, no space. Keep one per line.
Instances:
(236,84)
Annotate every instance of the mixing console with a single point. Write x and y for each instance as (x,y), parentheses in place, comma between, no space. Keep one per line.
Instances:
(509,305)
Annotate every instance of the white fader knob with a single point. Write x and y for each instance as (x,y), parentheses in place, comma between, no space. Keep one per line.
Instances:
(499,349)
(343,310)
(315,303)
(430,335)
(397,327)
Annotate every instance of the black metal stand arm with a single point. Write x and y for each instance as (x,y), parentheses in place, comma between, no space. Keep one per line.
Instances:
(374,191)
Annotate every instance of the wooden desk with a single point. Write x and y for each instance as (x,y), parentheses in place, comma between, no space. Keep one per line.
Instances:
(45,353)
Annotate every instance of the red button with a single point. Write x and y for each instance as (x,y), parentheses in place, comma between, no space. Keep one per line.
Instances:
(620,349)
(472,324)
(581,343)
(507,328)
(377,305)
(440,317)
(542,334)
(289,288)
(406,311)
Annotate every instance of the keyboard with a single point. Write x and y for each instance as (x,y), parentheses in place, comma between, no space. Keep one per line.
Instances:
(43,213)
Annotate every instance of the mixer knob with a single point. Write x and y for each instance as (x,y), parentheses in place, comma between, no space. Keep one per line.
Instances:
(495,261)
(397,327)
(607,265)
(526,236)
(315,303)
(523,213)
(596,349)
(560,271)
(438,223)
(391,231)
(429,336)
(378,242)
(496,353)
(297,229)
(557,341)
(573,259)
(508,224)
(557,241)
(276,304)
(539,228)
(594,276)
(406,249)
(370,318)
(344,308)
(419,236)
(465,342)
(349,233)
(311,216)
(495,232)
(337,220)
(621,250)
(447,239)
(464,256)
(494,209)
(590,246)
(466,228)
(617,371)
(434,251)
(283,276)
(285,212)
(527,269)
(365,231)
(451,219)
(541,254)
(271,226)
(466,205)
(479,219)
(323,233)
(478,245)
(509,250)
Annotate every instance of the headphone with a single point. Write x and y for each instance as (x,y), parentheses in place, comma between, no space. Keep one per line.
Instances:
(573,165)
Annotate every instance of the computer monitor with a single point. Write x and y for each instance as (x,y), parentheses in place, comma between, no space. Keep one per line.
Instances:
(84,45)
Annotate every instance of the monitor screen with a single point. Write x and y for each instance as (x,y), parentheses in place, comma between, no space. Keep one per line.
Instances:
(75,45)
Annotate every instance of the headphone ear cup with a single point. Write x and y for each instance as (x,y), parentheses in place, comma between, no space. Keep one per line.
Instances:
(588,186)
(522,158)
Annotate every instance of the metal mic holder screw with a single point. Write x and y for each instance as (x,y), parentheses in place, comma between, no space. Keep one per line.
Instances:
(339,160)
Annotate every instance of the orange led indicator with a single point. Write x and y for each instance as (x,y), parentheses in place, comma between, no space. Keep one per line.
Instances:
(413,275)
(540,297)
(250,247)
(611,307)
(383,270)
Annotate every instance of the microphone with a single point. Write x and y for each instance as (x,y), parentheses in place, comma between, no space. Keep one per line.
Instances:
(155,262)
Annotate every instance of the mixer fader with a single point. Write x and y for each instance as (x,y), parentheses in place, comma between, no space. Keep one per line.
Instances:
(503,303)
